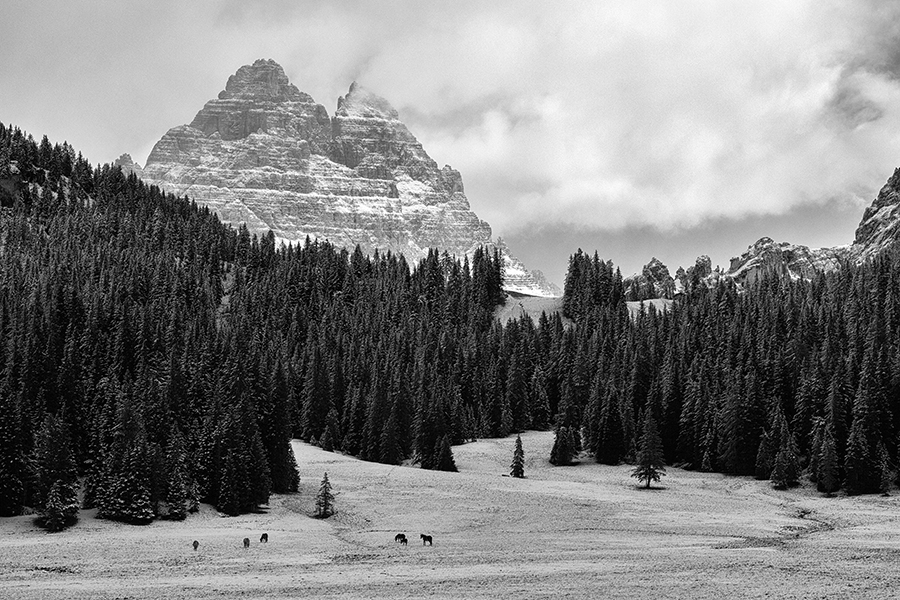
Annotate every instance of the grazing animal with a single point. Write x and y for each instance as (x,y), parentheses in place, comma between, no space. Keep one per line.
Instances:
(399,537)
(246,542)
(196,544)
(426,539)
(264,538)
(403,541)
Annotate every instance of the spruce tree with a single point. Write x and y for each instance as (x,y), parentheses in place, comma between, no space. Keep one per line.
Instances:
(563,450)
(517,468)
(324,499)
(610,446)
(887,476)
(765,456)
(177,480)
(12,459)
(651,463)
(444,453)
(60,508)
(827,478)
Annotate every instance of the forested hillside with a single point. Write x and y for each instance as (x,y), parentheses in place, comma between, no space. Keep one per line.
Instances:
(159,358)
(168,359)
(785,376)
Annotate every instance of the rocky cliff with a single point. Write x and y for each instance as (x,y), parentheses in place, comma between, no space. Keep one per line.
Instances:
(878,230)
(266,154)
(880,224)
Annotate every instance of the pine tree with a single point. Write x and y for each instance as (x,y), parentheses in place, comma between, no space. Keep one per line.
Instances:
(55,469)
(650,460)
(177,480)
(12,459)
(815,449)
(324,499)
(765,456)
(827,479)
(887,476)
(517,468)
(444,455)
(563,450)
(60,508)
(610,445)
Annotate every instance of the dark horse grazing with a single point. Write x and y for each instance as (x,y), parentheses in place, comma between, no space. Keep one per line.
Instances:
(403,541)
(246,542)
(264,538)
(400,537)
(196,544)
(426,539)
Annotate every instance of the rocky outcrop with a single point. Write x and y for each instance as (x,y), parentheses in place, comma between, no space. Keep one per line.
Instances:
(654,281)
(517,278)
(789,260)
(128,165)
(880,224)
(266,154)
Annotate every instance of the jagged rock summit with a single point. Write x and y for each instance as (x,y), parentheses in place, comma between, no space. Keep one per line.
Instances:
(266,154)
(880,224)
(878,230)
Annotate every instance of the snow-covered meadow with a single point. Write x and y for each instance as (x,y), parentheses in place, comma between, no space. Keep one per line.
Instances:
(579,532)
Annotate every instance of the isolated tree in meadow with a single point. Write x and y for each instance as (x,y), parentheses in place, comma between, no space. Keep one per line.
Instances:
(651,463)
(325,499)
(517,468)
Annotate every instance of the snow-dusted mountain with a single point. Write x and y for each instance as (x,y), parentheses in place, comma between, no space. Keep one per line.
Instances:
(878,230)
(266,154)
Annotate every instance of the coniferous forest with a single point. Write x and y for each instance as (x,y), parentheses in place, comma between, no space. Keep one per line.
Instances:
(155,358)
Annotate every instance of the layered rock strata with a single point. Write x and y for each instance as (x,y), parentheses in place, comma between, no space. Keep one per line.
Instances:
(266,154)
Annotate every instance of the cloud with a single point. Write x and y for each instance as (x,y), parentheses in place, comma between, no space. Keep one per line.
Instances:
(595,115)
(617,114)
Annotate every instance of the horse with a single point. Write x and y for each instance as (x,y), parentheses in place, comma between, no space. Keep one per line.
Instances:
(264,538)
(196,544)
(400,537)
(426,539)
(403,541)
(246,543)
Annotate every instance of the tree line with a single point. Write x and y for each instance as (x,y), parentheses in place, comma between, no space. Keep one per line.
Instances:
(162,359)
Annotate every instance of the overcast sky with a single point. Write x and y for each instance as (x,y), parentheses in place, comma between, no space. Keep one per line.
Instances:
(661,128)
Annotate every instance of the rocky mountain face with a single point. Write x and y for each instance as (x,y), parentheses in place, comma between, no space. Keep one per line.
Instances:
(790,260)
(880,224)
(266,154)
(878,230)
(654,281)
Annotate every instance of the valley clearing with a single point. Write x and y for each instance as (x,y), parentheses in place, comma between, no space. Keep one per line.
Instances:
(584,531)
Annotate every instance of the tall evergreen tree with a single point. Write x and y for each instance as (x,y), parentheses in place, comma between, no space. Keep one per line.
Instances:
(563,451)
(827,479)
(325,499)
(517,468)
(444,455)
(650,460)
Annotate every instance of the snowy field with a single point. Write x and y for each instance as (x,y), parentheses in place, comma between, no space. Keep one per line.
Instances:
(518,305)
(572,532)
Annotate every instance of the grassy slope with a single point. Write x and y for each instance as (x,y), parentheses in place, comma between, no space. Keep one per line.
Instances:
(584,530)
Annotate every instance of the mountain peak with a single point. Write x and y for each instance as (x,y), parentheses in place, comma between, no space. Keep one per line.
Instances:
(360,102)
(263,80)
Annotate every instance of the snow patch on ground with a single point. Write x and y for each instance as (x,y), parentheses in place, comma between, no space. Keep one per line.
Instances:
(579,532)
